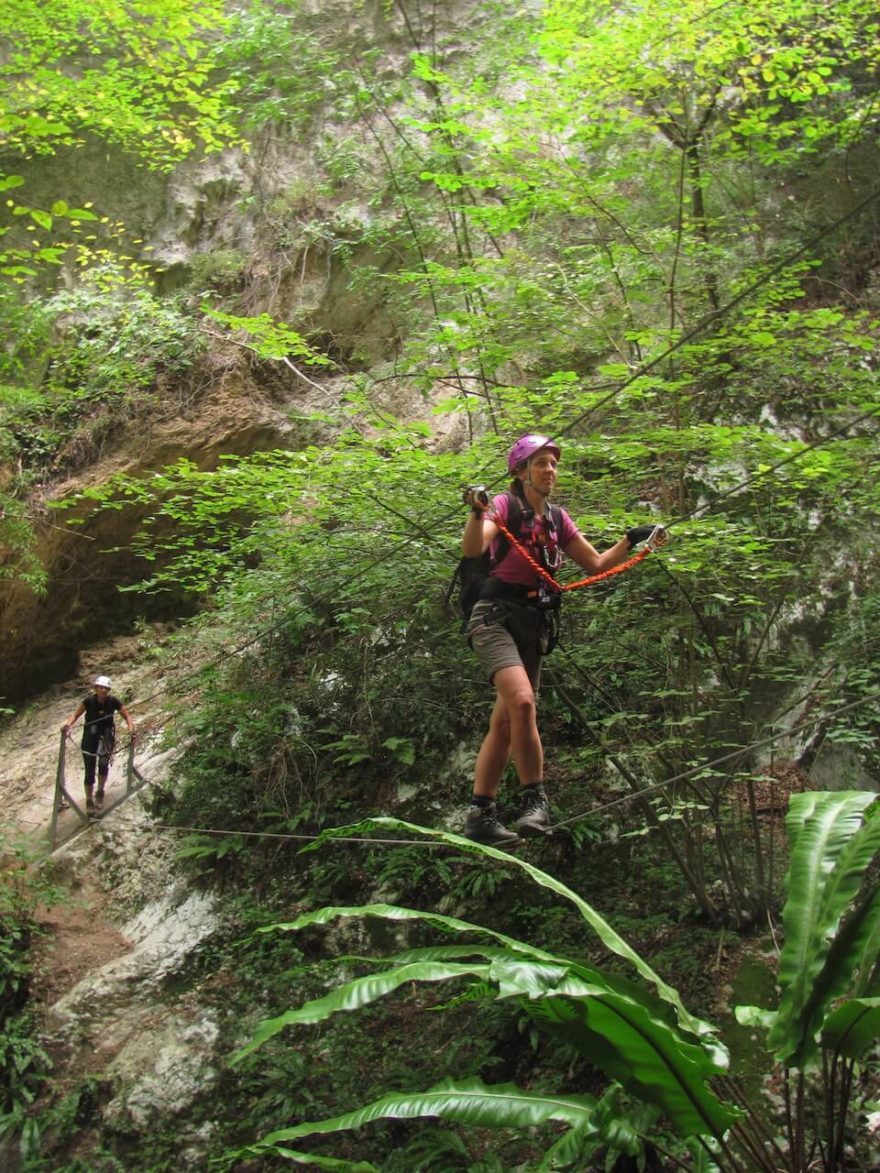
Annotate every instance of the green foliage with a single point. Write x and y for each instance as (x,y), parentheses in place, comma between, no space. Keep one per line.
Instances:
(220,269)
(856,647)
(138,75)
(571,998)
(270,339)
(471,1103)
(648,1042)
(550,228)
(325,709)
(17,260)
(826,1023)
(280,69)
(20,561)
(368,569)
(24,1064)
(118,339)
(109,346)
(832,945)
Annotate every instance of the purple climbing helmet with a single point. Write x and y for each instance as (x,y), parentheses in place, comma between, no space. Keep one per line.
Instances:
(526,446)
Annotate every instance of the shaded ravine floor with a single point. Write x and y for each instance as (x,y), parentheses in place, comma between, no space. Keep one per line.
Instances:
(109,948)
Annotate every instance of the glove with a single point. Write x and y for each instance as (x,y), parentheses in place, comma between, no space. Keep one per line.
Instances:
(640,533)
(474,494)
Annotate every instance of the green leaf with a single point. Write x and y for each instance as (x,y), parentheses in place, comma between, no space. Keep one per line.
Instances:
(830,852)
(620,1026)
(356,994)
(336,1163)
(467,1101)
(609,937)
(755,1016)
(853,1028)
(402,748)
(647,1056)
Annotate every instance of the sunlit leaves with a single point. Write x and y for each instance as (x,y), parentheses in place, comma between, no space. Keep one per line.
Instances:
(270,339)
(139,75)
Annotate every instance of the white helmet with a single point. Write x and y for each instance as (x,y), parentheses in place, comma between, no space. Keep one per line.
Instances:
(103,682)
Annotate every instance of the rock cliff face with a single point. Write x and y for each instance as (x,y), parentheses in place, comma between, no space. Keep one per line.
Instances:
(42,636)
(196,213)
(259,229)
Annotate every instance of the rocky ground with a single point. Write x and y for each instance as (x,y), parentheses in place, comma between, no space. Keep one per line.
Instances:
(125,926)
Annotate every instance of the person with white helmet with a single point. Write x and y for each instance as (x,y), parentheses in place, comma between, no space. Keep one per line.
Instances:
(508,627)
(99,737)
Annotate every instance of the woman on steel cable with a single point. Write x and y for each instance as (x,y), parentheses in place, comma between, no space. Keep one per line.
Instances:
(509,630)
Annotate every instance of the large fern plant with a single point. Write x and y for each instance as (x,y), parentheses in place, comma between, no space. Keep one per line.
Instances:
(635,1028)
(828,1017)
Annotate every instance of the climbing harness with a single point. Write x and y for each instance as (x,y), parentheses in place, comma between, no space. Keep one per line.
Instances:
(472,574)
(476,582)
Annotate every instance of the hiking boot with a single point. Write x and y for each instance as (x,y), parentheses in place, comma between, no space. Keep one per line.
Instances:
(99,799)
(484,826)
(535,817)
(90,805)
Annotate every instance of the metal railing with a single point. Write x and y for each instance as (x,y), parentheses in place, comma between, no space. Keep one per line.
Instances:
(63,799)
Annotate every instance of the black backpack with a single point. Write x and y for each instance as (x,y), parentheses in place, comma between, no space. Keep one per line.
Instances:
(471,573)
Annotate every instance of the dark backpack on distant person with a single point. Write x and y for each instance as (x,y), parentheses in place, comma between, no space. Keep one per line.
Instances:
(471,573)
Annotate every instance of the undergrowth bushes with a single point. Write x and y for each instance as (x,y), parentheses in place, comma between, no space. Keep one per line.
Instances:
(355,708)
(85,361)
(24,1065)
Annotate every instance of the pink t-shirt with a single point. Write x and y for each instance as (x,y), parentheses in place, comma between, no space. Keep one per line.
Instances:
(513,567)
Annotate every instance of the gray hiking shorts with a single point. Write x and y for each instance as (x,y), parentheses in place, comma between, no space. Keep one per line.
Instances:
(505,635)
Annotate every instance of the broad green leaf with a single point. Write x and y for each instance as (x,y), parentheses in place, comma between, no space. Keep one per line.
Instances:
(755,1016)
(853,946)
(853,1027)
(645,1055)
(622,1028)
(608,936)
(467,1101)
(356,994)
(339,1164)
(830,851)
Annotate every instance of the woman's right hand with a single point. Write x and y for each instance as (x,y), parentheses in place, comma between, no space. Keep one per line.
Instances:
(477,497)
